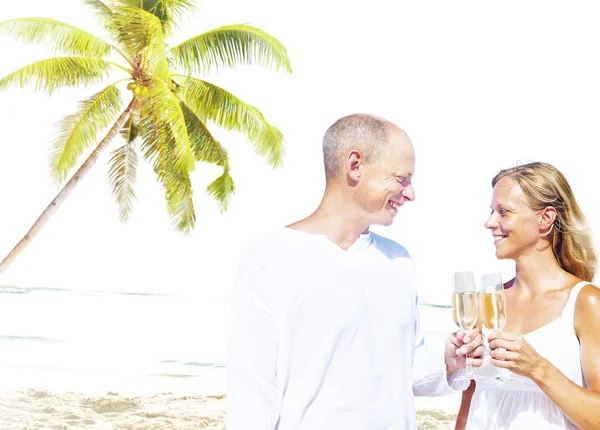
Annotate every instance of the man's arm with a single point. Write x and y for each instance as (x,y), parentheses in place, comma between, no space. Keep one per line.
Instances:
(252,398)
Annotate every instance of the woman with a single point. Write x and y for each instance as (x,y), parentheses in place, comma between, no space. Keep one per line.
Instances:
(551,339)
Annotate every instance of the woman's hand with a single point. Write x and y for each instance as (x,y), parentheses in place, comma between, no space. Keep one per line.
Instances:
(513,352)
(458,345)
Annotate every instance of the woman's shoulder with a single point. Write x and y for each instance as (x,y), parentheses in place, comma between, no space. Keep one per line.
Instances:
(588,293)
(587,304)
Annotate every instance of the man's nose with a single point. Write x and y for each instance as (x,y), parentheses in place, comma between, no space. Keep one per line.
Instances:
(408,193)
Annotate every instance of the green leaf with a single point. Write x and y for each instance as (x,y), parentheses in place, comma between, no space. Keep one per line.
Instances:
(181,205)
(229,46)
(158,146)
(224,109)
(79,131)
(101,9)
(53,73)
(122,177)
(169,12)
(164,110)
(140,34)
(204,146)
(129,132)
(222,189)
(207,149)
(55,35)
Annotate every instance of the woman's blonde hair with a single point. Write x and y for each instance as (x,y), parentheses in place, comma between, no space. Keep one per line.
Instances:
(544,185)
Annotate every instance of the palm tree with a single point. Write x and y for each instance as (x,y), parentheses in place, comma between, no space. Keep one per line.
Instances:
(167,111)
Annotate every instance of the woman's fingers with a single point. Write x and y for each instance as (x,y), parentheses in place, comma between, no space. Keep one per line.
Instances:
(501,363)
(503,343)
(503,354)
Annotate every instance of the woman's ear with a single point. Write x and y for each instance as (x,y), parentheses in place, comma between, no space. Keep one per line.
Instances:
(546,220)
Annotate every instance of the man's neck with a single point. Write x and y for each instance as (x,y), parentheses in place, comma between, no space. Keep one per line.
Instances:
(336,220)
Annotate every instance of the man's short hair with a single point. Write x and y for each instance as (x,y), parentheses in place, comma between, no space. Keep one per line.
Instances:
(365,133)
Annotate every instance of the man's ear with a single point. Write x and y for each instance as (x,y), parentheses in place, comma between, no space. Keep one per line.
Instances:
(354,165)
(546,220)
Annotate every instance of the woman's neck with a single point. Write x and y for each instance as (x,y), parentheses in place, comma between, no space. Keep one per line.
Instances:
(540,272)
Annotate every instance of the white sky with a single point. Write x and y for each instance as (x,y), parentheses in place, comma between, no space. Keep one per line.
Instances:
(479,86)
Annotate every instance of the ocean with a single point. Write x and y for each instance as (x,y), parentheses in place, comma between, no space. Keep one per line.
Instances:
(134,344)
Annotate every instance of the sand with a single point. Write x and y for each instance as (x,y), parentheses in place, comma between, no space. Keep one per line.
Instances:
(31,409)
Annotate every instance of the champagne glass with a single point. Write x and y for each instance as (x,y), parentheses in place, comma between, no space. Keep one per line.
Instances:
(464,308)
(493,306)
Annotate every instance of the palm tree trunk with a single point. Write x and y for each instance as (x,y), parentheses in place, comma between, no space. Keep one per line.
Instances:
(66,190)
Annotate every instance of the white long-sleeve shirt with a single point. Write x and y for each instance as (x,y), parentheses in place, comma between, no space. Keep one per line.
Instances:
(326,339)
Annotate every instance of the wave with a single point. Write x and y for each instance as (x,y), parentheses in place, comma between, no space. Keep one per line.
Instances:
(194,363)
(24,290)
(434,306)
(12,290)
(30,339)
(4,289)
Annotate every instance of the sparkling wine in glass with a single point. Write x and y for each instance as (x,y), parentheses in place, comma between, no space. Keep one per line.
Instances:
(493,306)
(464,308)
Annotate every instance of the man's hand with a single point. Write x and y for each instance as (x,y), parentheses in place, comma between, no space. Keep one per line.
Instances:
(459,345)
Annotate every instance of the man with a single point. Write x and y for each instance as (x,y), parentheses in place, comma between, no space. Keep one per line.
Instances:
(324,332)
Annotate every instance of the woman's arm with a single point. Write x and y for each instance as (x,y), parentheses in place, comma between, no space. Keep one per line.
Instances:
(465,405)
(580,405)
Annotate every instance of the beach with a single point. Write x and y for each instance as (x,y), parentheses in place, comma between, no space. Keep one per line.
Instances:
(133,360)
(31,409)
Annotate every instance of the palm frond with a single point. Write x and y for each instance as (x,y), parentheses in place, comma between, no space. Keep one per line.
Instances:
(158,146)
(100,8)
(78,132)
(204,146)
(207,149)
(222,189)
(169,12)
(53,73)
(56,36)
(122,177)
(227,111)
(164,110)
(140,34)
(130,131)
(181,204)
(229,46)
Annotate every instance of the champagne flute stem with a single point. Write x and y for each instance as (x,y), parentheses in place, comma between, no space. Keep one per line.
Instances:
(499,374)
(469,373)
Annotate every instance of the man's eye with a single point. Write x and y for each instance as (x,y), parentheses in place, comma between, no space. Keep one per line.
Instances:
(502,211)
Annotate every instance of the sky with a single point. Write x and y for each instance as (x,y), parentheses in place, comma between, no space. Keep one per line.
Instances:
(478,86)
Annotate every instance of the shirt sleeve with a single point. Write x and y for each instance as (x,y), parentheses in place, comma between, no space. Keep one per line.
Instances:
(429,368)
(252,398)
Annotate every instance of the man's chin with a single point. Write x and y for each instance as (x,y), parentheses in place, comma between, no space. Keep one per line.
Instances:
(384,222)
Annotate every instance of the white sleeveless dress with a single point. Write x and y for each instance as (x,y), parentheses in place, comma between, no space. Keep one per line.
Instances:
(520,404)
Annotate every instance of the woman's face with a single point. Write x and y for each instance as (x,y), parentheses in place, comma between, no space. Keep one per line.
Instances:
(514,226)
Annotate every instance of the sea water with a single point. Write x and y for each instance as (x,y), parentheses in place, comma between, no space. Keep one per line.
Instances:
(128,343)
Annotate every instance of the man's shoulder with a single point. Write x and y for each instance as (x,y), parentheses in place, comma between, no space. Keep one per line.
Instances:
(389,247)
(269,242)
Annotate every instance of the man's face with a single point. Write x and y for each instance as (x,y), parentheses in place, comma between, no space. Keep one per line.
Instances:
(386,183)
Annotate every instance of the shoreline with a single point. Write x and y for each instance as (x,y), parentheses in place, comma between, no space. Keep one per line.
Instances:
(67,410)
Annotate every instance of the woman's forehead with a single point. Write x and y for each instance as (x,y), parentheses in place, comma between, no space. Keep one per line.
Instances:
(508,190)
